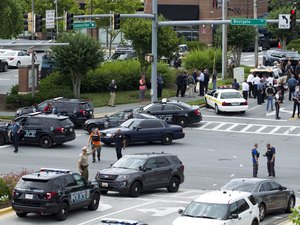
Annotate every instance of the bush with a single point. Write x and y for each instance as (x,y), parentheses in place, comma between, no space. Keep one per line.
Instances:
(4,190)
(294,44)
(168,74)
(14,101)
(196,45)
(295,216)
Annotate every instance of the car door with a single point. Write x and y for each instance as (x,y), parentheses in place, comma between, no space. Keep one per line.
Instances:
(149,130)
(171,112)
(280,196)
(32,130)
(24,58)
(116,119)
(164,171)
(244,213)
(73,190)
(84,191)
(267,195)
(156,110)
(149,174)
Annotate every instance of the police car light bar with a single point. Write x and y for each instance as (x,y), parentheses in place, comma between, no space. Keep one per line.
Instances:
(58,98)
(34,113)
(53,170)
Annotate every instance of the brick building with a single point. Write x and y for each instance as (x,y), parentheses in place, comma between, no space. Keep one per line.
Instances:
(204,10)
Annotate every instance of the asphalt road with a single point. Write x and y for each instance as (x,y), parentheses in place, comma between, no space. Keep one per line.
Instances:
(213,152)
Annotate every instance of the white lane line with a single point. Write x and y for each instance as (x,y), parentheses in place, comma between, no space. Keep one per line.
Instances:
(234,156)
(275,129)
(4,146)
(206,124)
(246,128)
(243,118)
(254,108)
(261,129)
(218,126)
(232,175)
(116,212)
(289,130)
(232,126)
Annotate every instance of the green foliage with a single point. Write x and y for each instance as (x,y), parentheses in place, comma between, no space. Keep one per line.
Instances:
(11,22)
(14,101)
(200,59)
(294,44)
(194,45)
(168,74)
(4,190)
(295,216)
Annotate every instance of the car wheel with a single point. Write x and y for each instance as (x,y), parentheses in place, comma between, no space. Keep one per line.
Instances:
(5,68)
(217,109)
(206,104)
(91,128)
(174,185)
(21,214)
(167,139)
(262,212)
(46,142)
(103,192)
(2,139)
(254,222)
(182,121)
(291,205)
(135,189)
(63,212)
(95,202)
(18,64)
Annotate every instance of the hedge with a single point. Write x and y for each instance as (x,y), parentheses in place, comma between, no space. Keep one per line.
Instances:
(294,44)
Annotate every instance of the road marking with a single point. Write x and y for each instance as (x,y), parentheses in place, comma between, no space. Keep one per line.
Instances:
(275,129)
(234,156)
(253,108)
(218,126)
(4,146)
(232,175)
(246,128)
(160,212)
(261,128)
(289,130)
(243,118)
(207,124)
(4,79)
(231,127)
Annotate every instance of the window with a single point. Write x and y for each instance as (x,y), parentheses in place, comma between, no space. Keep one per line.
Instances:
(233,209)
(151,124)
(33,121)
(242,205)
(216,95)
(162,162)
(151,164)
(154,108)
(78,179)
(171,107)
(175,160)
(252,200)
(265,187)
(227,95)
(69,181)
(275,186)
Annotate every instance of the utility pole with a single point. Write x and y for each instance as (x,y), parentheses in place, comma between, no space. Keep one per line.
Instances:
(153,91)
(32,52)
(224,39)
(56,13)
(256,34)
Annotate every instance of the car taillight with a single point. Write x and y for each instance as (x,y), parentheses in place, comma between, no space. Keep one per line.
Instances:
(197,112)
(60,129)
(225,103)
(50,195)
(14,193)
(182,167)
(83,112)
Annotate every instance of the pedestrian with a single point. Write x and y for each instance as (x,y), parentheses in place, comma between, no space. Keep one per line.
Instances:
(235,85)
(195,75)
(270,80)
(296,99)
(214,79)
(270,95)
(112,90)
(35,107)
(270,154)
(94,140)
(297,70)
(120,142)
(14,132)
(160,83)
(191,85)
(178,83)
(255,156)
(289,68)
(278,97)
(255,82)
(206,80)
(292,83)
(259,93)
(83,162)
(184,83)
(249,81)
(245,89)
(142,87)
(201,80)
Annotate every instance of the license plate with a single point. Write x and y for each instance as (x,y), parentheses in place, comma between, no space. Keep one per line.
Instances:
(104,184)
(235,103)
(28,196)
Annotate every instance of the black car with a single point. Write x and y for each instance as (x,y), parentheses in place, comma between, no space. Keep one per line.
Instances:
(135,173)
(76,109)
(144,130)
(43,129)
(3,65)
(173,112)
(280,55)
(54,191)
(269,195)
(113,120)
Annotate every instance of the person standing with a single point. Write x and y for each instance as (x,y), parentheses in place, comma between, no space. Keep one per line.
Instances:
(270,154)
(201,80)
(94,140)
(15,131)
(235,85)
(112,90)
(120,143)
(270,95)
(195,75)
(278,97)
(256,82)
(259,93)
(245,89)
(214,79)
(184,83)
(178,83)
(255,156)
(249,81)
(296,99)
(292,83)
(160,83)
(191,86)
(142,87)
(206,80)
(83,162)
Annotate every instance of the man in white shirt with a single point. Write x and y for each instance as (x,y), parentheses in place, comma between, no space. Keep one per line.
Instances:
(270,80)
(255,82)
(249,81)
(245,89)
(201,80)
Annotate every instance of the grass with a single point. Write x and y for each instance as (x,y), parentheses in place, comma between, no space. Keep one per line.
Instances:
(6,118)
(197,102)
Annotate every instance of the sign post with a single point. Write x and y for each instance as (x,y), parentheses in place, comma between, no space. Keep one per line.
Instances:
(284,21)
(248,22)
(50,19)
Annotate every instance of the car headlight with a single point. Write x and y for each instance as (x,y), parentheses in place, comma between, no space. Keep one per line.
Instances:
(123,177)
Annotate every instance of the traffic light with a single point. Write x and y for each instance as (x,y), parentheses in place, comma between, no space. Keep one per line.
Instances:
(116,21)
(27,22)
(69,21)
(38,23)
(25,16)
(293,17)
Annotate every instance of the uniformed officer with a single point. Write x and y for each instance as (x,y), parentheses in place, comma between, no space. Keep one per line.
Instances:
(15,130)
(83,162)
(120,143)
(96,144)
(270,154)
(255,155)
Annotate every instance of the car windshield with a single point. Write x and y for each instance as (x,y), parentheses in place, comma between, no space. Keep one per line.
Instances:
(207,210)
(226,95)
(130,123)
(239,186)
(129,163)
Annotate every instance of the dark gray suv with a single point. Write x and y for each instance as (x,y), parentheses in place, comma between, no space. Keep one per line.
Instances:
(135,173)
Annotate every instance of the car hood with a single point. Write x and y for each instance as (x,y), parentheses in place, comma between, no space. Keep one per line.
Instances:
(97,120)
(185,220)
(117,171)
(113,130)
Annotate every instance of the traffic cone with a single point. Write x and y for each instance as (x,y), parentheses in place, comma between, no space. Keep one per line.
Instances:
(279,45)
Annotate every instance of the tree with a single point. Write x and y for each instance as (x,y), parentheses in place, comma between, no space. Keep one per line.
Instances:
(111,6)
(11,22)
(239,37)
(76,59)
(139,32)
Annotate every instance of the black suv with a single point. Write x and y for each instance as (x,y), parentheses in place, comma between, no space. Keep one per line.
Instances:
(135,173)
(54,191)
(173,112)
(43,129)
(76,109)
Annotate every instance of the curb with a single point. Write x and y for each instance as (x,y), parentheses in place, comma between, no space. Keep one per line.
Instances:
(5,210)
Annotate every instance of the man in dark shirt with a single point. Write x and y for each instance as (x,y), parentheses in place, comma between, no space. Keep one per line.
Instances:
(270,154)
(120,143)
(255,155)
(112,89)
(15,130)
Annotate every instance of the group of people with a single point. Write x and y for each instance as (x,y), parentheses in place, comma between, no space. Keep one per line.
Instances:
(94,143)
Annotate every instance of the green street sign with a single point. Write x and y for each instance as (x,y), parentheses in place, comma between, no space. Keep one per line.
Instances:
(84,24)
(248,22)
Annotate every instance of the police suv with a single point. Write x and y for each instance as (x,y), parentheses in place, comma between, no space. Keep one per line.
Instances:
(54,191)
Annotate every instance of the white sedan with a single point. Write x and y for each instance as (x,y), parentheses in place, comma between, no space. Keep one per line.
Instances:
(16,58)
(226,100)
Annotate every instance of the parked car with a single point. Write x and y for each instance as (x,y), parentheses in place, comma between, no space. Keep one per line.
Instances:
(270,195)
(135,173)
(173,112)
(3,65)
(279,55)
(77,110)
(226,100)
(275,72)
(45,130)
(144,130)
(220,208)
(16,58)
(113,120)
(54,191)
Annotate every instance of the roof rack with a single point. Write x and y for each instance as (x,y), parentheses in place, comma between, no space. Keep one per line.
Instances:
(34,113)
(53,170)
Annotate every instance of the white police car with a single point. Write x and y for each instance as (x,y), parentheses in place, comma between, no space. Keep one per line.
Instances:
(219,208)
(226,100)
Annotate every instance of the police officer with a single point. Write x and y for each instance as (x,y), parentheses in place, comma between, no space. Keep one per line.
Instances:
(83,162)
(15,131)
(255,155)
(120,143)
(270,154)
(94,139)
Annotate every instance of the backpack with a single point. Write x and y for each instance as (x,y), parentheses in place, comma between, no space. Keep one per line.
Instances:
(270,90)
(95,137)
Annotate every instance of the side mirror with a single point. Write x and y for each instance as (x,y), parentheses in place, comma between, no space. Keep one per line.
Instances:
(282,188)
(234,216)
(180,211)
(138,128)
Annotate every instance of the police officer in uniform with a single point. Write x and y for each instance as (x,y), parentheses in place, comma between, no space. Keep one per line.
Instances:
(270,154)
(15,131)
(255,155)
(83,162)
(120,143)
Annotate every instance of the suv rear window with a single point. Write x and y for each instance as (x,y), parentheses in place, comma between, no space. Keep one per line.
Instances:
(175,160)
(33,184)
(58,122)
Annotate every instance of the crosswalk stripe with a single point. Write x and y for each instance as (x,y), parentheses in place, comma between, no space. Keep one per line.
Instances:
(231,127)
(245,128)
(261,129)
(289,130)
(275,129)
(218,126)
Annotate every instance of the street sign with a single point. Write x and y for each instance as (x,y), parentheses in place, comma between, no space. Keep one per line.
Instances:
(84,24)
(284,21)
(248,22)
(50,19)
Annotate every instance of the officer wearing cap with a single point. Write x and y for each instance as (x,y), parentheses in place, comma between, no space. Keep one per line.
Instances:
(83,162)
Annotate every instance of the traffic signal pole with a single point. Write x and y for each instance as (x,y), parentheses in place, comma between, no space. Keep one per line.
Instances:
(153,91)
(32,53)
